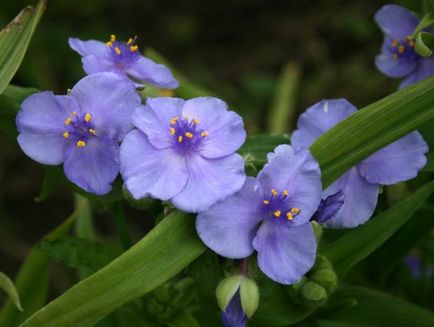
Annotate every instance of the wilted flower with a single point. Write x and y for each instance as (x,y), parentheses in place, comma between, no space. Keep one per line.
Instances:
(282,199)
(397,162)
(329,207)
(81,129)
(184,151)
(124,59)
(398,57)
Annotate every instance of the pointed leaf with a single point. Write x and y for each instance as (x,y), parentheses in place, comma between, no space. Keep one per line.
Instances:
(9,287)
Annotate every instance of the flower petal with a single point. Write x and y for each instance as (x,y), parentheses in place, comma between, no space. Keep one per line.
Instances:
(234,315)
(148,171)
(149,72)
(44,148)
(228,227)
(319,118)
(299,174)
(285,253)
(93,64)
(90,47)
(360,200)
(397,162)
(424,70)
(209,181)
(394,67)
(110,100)
(396,21)
(225,128)
(93,167)
(154,119)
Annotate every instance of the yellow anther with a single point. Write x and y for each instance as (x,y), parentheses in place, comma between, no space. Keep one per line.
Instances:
(134,48)
(266,202)
(109,43)
(92,131)
(173,120)
(67,121)
(81,144)
(395,43)
(295,211)
(118,51)
(189,135)
(186,118)
(74,113)
(130,40)
(66,135)
(289,216)
(401,49)
(112,37)
(196,121)
(277,213)
(203,134)
(395,56)
(172,131)
(411,44)
(180,138)
(274,192)
(87,117)
(285,193)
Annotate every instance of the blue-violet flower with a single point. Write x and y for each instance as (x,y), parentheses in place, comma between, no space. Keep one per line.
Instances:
(397,162)
(398,57)
(184,151)
(234,315)
(81,129)
(124,59)
(281,200)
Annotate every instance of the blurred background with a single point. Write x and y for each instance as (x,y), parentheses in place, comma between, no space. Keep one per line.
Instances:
(236,50)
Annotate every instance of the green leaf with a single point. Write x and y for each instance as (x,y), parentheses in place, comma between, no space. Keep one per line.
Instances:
(372,128)
(160,255)
(374,309)
(429,6)
(9,287)
(425,44)
(14,39)
(362,241)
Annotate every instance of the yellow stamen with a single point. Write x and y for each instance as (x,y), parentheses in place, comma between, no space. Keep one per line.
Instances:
(277,213)
(285,193)
(87,117)
(401,49)
(266,202)
(411,43)
(109,43)
(180,138)
(130,40)
(173,120)
(92,131)
(289,216)
(395,43)
(74,113)
(295,210)
(203,134)
(172,131)
(66,135)
(112,37)
(196,121)
(395,56)
(274,192)
(118,51)
(81,144)
(67,121)
(134,48)
(189,135)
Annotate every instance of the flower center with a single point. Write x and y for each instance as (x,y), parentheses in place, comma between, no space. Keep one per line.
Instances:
(277,206)
(79,129)
(123,53)
(404,49)
(187,134)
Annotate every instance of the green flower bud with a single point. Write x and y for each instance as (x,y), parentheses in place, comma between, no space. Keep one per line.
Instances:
(226,289)
(312,293)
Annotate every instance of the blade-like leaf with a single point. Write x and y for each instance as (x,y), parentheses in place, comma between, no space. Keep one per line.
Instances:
(362,241)
(372,128)
(14,39)
(9,287)
(160,255)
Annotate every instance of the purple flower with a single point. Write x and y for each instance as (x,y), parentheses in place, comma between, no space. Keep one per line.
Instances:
(81,129)
(398,57)
(124,59)
(282,199)
(329,207)
(184,151)
(397,162)
(234,315)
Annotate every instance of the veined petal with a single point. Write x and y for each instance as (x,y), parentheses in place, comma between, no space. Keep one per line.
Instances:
(397,162)
(424,69)
(394,67)
(225,129)
(319,118)
(396,21)
(285,253)
(360,200)
(93,167)
(87,48)
(148,171)
(228,227)
(209,181)
(46,149)
(149,72)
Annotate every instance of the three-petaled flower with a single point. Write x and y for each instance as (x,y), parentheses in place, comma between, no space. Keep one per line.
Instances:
(398,57)
(81,129)
(282,199)
(397,162)
(124,59)
(184,151)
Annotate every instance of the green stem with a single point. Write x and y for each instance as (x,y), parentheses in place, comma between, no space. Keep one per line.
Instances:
(121,225)
(425,22)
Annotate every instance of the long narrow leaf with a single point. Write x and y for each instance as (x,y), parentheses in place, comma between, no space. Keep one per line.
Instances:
(9,287)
